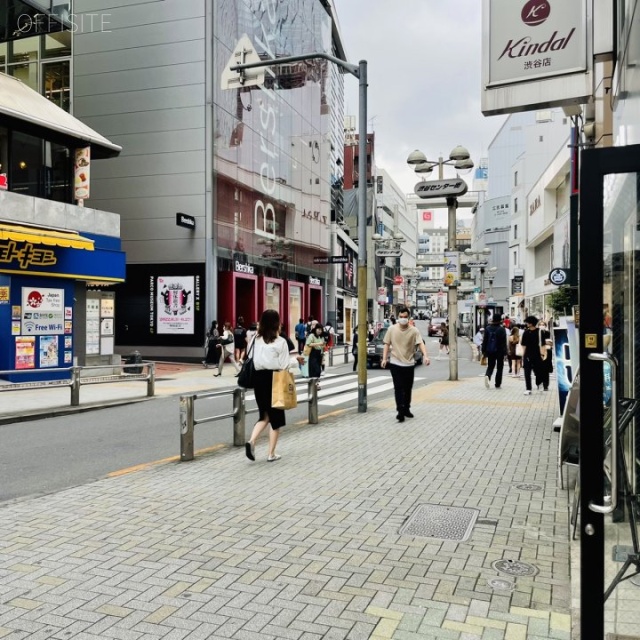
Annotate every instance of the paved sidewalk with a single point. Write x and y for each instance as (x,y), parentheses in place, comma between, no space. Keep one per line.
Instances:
(310,546)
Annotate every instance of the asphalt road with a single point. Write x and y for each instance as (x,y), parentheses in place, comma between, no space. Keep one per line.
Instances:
(45,456)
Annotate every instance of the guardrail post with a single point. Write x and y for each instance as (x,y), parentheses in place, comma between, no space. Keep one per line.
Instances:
(239,437)
(187,425)
(312,394)
(331,357)
(75,386)
(151,380)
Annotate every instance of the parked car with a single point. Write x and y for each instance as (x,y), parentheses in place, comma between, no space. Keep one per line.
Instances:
(376,347)
(435,326)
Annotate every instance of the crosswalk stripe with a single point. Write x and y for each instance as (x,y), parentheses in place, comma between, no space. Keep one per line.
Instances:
(346,397)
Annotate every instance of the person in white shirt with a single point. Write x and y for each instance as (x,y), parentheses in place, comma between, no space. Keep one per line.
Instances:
(477,340)
(270,353)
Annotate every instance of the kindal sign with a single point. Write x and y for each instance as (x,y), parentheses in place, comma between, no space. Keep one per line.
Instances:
(534,39)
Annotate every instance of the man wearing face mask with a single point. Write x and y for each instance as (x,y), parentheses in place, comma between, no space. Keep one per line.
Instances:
(401,339)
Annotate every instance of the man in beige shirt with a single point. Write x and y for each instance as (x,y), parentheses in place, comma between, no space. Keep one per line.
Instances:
(401,339)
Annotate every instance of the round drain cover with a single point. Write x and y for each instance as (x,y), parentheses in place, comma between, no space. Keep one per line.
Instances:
(501,585)
(514,567)
(529,487)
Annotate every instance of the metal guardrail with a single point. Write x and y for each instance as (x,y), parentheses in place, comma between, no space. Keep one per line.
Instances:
(76,378)
(188,421)
(345,348)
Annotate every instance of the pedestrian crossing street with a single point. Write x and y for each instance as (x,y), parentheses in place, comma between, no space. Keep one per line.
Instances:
(347,387)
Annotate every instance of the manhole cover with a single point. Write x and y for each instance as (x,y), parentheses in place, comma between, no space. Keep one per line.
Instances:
(514,567)
(529,487)
(501,585)
(444,523)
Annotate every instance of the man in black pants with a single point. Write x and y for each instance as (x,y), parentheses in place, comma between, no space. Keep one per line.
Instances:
(401,339)
(494,347)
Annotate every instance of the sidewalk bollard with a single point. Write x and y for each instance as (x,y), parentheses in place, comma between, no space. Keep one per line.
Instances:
(313,400)
(151,380)
(75,386)
(186,427)
(239,437)
(346,353)
(331,357)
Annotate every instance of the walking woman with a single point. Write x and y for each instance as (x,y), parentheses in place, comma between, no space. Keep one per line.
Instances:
(270,353)
(531,341)
(228,349)
(314,347)
(515,360)
(212,352)
(444,340)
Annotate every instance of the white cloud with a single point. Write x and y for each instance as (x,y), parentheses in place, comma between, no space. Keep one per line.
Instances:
(423,66)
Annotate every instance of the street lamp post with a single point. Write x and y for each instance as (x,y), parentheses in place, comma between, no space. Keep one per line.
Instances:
(460,159)
(245,50)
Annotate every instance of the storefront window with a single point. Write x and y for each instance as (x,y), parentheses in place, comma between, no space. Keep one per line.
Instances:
(56,45)
(295,309)
(56,85)
(26,164)
(273,296)
(4,151)
(25,50)
(27,73)
(3,55)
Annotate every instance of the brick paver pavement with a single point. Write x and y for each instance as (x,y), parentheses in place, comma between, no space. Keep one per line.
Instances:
(309,547)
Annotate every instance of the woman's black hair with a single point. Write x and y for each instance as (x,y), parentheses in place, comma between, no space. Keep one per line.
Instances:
(269,325)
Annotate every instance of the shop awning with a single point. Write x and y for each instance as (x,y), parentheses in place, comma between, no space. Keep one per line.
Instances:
(21,104)
(50,237)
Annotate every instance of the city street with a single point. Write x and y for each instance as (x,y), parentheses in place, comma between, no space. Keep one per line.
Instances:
(45,455)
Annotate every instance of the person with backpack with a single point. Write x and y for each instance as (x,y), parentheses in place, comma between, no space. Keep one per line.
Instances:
(494,347)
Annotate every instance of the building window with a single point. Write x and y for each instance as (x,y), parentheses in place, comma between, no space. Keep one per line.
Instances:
(515,231)
(515,258)
(515,178)
(515,205)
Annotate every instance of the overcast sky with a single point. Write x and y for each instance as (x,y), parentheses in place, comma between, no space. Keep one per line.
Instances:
(424,66)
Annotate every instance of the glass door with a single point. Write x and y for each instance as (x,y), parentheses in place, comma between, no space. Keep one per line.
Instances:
(610,392)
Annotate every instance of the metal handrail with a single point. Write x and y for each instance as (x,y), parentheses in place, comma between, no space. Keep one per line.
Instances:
(188,421)
(76,379)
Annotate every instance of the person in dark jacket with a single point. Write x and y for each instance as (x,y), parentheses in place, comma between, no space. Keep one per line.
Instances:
(494,347)
(531,340)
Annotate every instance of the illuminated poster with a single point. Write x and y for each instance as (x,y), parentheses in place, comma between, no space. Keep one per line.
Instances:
(42,311)
(25,352)
(175,304)
(48,351)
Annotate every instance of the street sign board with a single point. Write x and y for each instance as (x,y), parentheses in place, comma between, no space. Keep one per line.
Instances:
(389,253)
(477,263)
(244,53)
(331,260)
(558,276)
(441,188)
(398,280)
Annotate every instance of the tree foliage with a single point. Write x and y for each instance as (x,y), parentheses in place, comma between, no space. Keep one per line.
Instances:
(561,300)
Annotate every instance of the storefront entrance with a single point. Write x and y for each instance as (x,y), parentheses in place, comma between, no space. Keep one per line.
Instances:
(609,326)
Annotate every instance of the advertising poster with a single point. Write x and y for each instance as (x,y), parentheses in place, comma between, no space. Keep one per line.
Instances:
(564,367)
(4,295)
(48,351)
(93,326)
(68,357)
(16,311)
(68,313)
(81,173)
(25,352)
(42,311)
(15,327)
(68,342)
(175,305)
(451,268)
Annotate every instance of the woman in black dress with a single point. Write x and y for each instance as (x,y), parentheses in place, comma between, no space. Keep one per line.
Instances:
(270,353)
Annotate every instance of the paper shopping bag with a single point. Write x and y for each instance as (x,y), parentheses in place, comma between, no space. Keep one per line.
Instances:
(283,391)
